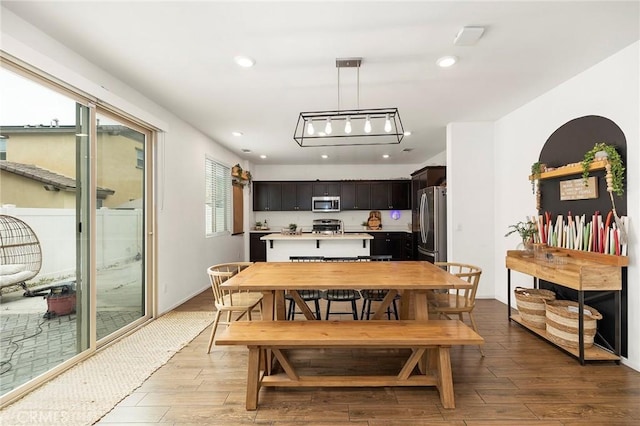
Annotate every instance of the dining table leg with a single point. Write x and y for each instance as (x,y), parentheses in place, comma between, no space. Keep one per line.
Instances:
(421,312)
(308,314)
(279,306)
(268,314)
(385,304)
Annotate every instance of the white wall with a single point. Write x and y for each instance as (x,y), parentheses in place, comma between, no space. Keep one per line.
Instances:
(470,199)
(184,252)
(610,89)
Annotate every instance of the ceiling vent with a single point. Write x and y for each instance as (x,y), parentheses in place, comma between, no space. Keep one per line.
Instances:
(468,36)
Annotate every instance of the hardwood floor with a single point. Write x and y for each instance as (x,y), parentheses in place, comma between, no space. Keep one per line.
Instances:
(522,380)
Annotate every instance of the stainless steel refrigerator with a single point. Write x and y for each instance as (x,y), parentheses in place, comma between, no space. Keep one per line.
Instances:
(432,224)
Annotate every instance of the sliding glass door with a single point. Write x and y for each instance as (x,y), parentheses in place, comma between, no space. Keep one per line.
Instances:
(120,224)
(76,174)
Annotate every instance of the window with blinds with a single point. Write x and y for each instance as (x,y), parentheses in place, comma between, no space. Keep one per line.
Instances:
(218,198)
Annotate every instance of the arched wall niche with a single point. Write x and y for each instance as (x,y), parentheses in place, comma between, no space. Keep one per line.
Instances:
(567,145)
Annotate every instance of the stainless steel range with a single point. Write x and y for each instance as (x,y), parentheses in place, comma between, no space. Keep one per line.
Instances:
(327,226)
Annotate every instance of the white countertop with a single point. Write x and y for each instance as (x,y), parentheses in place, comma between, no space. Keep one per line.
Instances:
(348,230)
(310,236)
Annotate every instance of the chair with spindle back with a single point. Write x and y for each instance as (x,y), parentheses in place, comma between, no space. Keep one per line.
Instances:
(378,295)
(306,295)
(461,300)
(342,295)
(230,301)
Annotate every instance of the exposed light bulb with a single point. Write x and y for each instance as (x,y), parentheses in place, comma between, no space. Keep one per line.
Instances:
(367,125)
(310,127)
(387,124)
(327,128)
(347,126)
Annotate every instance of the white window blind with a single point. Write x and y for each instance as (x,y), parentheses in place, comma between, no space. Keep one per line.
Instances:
(218,197)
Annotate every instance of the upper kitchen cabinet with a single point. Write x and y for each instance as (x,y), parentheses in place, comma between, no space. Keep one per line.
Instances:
(390,195)
(321,189)
(296,196)
(355,195)
(267,196)
(428,176)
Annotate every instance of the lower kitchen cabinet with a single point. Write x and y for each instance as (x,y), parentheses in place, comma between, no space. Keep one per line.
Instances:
(408,246)
(257,247)
(392,243)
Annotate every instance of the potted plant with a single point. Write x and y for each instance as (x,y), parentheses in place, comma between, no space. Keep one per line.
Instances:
(603,151)
(526,230)
(236,171)
(293,227)
(258,225)
(365,225)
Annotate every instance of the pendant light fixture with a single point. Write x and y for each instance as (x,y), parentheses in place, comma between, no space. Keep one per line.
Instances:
(374,126)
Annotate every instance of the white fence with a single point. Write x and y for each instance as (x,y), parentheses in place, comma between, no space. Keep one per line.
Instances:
(119,236)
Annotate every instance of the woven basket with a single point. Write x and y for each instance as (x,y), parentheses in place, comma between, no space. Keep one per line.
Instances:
(531,306)
(562,323)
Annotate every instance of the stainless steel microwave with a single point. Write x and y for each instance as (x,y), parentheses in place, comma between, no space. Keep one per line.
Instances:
(325,204)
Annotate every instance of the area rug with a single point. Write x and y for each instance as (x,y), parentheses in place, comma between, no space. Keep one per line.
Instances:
(87,391)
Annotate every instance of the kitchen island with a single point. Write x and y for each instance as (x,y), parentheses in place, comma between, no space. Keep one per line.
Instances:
(281,246)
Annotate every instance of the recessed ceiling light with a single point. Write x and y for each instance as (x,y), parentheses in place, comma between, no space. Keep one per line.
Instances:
(446,61)
(263,156)
(407,133)
(385,155)
(237,133)
(324,156)
(244,61)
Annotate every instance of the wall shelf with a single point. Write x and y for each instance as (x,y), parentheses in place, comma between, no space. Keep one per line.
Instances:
(575,169)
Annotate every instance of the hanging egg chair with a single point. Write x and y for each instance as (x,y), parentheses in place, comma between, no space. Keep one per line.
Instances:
(20,252)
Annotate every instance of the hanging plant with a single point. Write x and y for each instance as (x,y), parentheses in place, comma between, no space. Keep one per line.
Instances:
(615,161)
(536,169)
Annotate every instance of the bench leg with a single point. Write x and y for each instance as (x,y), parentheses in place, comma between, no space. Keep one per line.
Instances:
(445,379)
(253,378)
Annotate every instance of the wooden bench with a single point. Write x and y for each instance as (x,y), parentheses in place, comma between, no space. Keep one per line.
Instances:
(421,337)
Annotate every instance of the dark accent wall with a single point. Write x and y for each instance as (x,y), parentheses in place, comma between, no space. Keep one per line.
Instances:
(565,146)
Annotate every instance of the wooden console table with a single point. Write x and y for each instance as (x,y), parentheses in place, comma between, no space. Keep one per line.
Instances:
(583,271)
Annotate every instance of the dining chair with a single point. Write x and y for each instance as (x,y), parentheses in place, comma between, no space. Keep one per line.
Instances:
(230,301)
(371,295)
(459,301)
(306,295)
(342,295)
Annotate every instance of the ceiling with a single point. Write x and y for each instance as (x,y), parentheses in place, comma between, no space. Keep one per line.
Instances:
(180,55)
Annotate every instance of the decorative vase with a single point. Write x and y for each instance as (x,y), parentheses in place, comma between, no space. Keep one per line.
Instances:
(526,246)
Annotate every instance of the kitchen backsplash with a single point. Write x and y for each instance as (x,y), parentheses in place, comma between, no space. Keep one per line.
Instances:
(352,219)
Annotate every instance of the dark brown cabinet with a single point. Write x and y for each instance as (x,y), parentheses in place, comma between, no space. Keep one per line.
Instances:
(355,195)
(390,195)
(257,247)
(296,196)
(267,196)
(322,188)
(392,243)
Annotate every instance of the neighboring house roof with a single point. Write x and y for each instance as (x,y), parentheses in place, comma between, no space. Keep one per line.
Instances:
(47,177)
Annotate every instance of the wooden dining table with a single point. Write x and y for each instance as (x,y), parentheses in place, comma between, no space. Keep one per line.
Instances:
(412,279)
